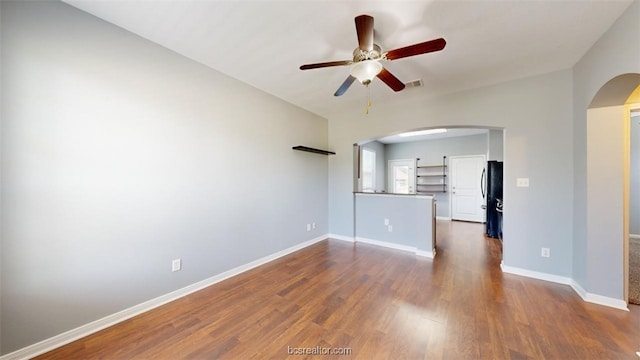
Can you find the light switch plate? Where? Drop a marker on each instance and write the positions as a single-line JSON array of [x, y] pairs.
[[522, 182]]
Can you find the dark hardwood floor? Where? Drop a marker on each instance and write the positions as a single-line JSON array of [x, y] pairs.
[[379, 303]]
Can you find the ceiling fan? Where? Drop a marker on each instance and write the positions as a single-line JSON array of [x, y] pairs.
[[367, 56]]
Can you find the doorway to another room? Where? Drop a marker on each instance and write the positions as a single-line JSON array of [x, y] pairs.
[[402, 177], [634, 209], [468, 174], [608, 204], [451, 166]]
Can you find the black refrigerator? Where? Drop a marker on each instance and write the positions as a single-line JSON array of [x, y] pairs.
[[492, 177]]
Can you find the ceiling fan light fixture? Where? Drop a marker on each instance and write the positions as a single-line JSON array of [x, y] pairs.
[[366, 70], [423, 132]]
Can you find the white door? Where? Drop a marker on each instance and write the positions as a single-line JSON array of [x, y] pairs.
[[466, 187], [402, 176]]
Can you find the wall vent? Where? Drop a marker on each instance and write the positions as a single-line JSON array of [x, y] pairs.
[[414, 84]]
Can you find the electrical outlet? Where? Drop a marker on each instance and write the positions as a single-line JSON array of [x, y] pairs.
[[308, 227], [176, 265], [313, 226], [545, 252], [390, 227], [386, 222]]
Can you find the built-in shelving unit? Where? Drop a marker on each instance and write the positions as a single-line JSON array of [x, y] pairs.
[[432, 178], [313, 150]]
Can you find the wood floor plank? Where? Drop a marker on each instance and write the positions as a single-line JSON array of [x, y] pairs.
[[379, 303]]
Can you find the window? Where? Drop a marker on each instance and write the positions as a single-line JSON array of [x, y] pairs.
[[368, 170]]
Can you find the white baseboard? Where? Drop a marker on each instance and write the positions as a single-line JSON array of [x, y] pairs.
[[386, 244], [341, 237], [634, 238], [598, 299], [407, 248], [588, 297], [536, 275], [446, 218], [110, 320], [425, 253]]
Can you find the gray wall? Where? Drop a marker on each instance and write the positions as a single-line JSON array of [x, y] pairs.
[[410, 218], [596, 265], [119, 156], [496, 145], [634, 195], [431, 152], [381, 163], [537, 146]]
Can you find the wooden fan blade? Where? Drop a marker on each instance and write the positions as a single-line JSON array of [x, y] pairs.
[[417, 49], [326, 64], [345, 85], [390, 80], [364, 29]]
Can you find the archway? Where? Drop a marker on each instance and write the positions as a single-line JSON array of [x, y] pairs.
[[430, 152], [608, 149]]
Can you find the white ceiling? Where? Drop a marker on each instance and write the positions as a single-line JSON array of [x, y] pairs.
[[263, 43]]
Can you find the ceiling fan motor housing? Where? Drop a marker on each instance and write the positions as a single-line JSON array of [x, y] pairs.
[[362, 55]]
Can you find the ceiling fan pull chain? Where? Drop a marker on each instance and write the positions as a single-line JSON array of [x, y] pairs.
[[366, 111]]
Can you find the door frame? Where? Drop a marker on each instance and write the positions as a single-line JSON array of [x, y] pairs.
[[450, 181]]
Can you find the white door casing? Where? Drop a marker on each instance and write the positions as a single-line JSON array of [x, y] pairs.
[[466, 189]]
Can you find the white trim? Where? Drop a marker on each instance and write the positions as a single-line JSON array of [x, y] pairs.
[[445, 218], [536, 275], [578, 289], [110, 320], [425, 253], [407, 248], [584, 295], [598, 299], [607, 301], [634, 237], [342, 238], [386, 244]]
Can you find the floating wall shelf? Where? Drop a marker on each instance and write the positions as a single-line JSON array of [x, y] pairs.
[[312, 150]]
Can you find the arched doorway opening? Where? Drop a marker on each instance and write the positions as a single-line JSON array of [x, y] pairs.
[[608, 180], [424, 159]]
